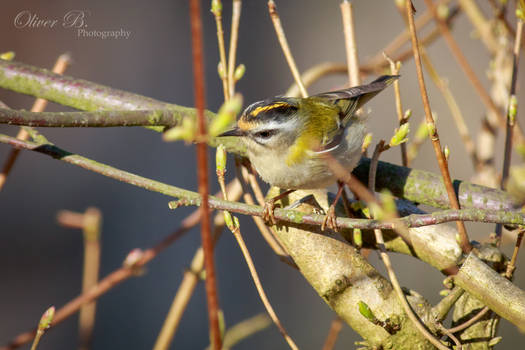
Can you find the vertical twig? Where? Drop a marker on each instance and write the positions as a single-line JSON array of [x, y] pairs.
[[467, 69], [233, 225], [234, 35], [512, 109], [351, 48], [388, 264], [216, 9], [202, 173], [90, 223], [39, 106], [394, 70], [335, 328], [464, 240], [272, 8]]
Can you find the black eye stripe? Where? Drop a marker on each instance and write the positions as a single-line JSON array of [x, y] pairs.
[[265, 134]]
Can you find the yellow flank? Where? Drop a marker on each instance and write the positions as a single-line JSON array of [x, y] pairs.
[[320, 129], [267, 108]]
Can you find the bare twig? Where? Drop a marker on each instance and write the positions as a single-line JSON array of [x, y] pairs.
[[202, 173], [512, 110], [272, 8], [39, 106], [388, 264], [351, 47], [465, 243], [233, 225], [451, 336], [470, 322], [394, 70], [90, 223], [469, 72], [331, 338], [244, 329], [216, 9], [234, 36]]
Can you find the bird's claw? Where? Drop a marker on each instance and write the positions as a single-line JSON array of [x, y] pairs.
[[330, 220], [268, 210]]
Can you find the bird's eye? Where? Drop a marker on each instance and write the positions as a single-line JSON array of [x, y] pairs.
[[264, 134]]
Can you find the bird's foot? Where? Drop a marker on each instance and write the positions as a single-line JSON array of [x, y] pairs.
[[330, 220], [268, 209]]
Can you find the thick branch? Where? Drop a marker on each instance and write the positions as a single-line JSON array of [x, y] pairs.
[[415, 185]]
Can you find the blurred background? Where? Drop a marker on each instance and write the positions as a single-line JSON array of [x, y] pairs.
[[41, 262]]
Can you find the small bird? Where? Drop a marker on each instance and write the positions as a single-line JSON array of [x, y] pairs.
[[286, 137]]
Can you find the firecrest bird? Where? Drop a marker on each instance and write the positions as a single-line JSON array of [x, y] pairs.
[[286, 137]]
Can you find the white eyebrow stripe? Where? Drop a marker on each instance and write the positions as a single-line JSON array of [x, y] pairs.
[[275, 125]]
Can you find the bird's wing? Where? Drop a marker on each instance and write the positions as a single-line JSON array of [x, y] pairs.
[[351, 99]]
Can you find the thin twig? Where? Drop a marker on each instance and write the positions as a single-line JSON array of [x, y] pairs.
[[202, 174], [235, 229], [388, 264], [394, 70], [272, 8], [255, 277], [512, 263], [433, 134], [451, 336], [113, 279], [512, 110], [39, 106], [186, 288], [469, 72], [216, 9], [234, 37], [354, 77], [470, 322], [395, 283], [245, 329], [92, 220], [333, 333]]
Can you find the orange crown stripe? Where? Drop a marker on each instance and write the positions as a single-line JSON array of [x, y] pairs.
[[267, 108]]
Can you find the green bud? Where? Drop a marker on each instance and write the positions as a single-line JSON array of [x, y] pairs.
[[400, 135], [431, 129], [513, 109], [520, 14], [220, 159], [228, 220], [446, 152], [400, 3], [389, 204], [358, 237], [8, 56], [494, 341], [222, 323], [407, 115], [422, 131], [239, 72], [365, 311], [226, 115], [444, 292], [185, 131], [221, 71], [366, 141], [216, 7], [443, 12], [46, 319]]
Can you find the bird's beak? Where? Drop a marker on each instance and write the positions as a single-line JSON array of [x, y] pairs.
[[233, 132]]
